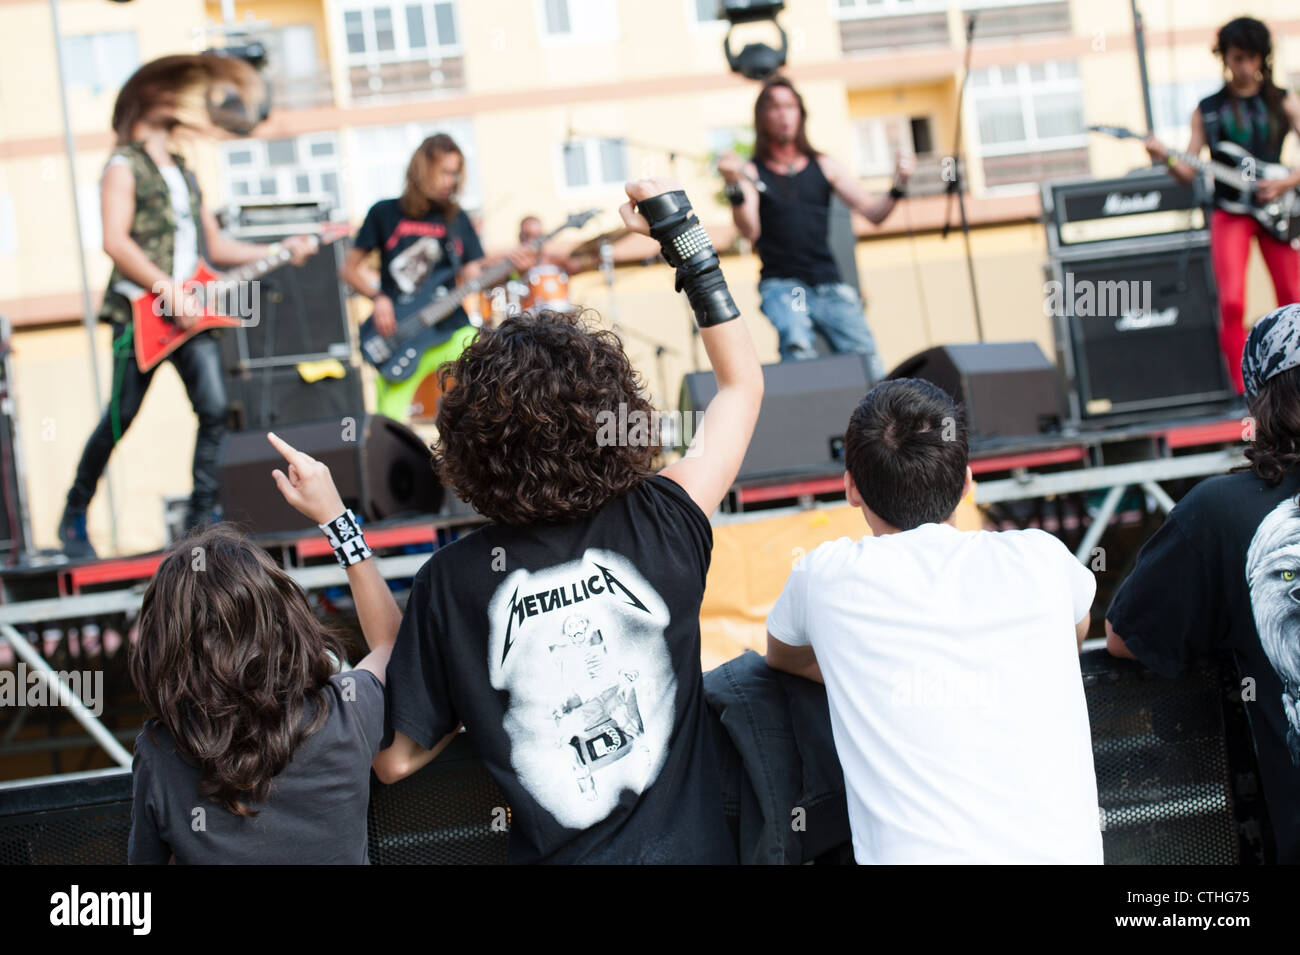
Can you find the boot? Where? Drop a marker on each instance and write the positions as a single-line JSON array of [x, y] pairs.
[[72, 535]]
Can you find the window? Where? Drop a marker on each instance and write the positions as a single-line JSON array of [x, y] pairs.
[[593, 162], [1172, 105], [380, 155], [706, 11], [737, 139], [582, 21], [306, 166], [557, 16], [100, 61], [878, 140], [1027, 107], [390, 32], [1029, 123], [849, 9]]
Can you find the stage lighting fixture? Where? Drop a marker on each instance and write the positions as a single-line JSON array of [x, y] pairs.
[[757, 60]]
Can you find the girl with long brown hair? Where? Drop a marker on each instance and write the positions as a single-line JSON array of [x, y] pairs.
[[257, 748]]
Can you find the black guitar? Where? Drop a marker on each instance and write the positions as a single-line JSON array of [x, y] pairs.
[[1241, 172], [427, 318]]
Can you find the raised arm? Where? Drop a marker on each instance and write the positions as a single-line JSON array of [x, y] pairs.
[[847, 187], [710, 465], [739, 174], [309, 487]]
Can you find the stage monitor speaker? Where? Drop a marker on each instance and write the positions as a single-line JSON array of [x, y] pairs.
[[1010, 389], [806, 408], [273, 397], [1149, 339], [381, 467]]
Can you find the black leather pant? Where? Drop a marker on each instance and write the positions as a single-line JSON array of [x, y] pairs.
[[199, 364]]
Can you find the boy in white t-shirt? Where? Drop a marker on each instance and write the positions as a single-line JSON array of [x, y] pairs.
[[950, 657]]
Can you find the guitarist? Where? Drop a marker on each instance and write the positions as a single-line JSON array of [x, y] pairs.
[[421, 232], [155, 230], [1256, 114]]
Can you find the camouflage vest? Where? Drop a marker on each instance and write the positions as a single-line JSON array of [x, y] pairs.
[[153, 227]]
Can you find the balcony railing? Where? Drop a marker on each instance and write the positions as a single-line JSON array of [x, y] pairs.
[[873, 34], [1022, 19], [406, 78], [1035, 167], [300, 92]]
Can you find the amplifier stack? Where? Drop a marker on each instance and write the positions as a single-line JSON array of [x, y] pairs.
[[1132, 297], [303, 319]]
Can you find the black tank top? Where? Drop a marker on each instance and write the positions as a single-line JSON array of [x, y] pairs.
[[793, 218], [1246, 121]]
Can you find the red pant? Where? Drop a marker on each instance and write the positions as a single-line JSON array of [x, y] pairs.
[[1230, 248]]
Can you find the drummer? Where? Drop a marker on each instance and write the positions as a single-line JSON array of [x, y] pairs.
[[530, 229]]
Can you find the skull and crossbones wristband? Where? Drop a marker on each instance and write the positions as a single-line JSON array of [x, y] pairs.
[[344, 535]]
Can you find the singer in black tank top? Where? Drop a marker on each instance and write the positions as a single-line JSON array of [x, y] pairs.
[[795, 215], [781, 202]]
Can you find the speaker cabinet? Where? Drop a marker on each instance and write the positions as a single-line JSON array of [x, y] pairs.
[[272, 397], [1149, 339], [381, 467], [806, 408], [1009, 389]]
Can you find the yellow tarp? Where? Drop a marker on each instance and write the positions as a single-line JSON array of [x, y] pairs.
[[751, 562]]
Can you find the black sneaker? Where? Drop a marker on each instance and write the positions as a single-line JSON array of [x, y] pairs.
[[72, 535]]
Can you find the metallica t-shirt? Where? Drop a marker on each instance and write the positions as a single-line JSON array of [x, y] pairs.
[[1223, 573], [411, 251], [571, 652]]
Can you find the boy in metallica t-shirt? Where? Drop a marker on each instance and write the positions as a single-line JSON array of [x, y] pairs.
[[1223, 573], [565, 634]]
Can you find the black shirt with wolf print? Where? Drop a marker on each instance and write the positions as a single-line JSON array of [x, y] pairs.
[[1223, 574]]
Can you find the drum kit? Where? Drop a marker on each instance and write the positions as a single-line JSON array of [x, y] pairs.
[[543, 287]]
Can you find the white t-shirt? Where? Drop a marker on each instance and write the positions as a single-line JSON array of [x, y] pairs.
[[956, 701]]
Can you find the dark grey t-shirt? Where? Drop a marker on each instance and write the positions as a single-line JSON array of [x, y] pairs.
[[316, 813]]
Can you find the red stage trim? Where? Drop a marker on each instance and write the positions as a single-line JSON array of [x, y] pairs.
[[1029, 459]]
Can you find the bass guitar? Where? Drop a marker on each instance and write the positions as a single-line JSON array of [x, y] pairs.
[[429, 317]]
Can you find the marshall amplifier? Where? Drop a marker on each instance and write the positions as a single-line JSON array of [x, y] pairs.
[[1137, 332], [1084, 215]]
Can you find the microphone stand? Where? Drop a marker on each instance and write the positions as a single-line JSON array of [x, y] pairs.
[[956, 187]]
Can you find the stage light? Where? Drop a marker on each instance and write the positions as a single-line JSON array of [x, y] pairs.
[[757, 60]]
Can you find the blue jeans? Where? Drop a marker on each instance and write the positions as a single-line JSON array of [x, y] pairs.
[[834, 308]]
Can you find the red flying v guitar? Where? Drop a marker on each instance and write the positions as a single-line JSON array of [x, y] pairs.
[[157, 335]]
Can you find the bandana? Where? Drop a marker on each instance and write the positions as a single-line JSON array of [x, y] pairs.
[[1272, 348]]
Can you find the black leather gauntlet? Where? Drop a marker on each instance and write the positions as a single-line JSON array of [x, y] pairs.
[[688, 249]]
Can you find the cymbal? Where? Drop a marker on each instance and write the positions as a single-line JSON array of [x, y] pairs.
[[594, 244]]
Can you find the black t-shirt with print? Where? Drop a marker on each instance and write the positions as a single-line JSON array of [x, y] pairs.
[[571, 652], [410, 250], [1223, 573], [315, 814]]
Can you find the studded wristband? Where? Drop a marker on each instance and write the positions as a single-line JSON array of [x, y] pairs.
[[344, 535], [688, 249]]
